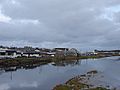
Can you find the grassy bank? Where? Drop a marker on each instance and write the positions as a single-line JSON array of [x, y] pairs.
[[76, 58], [24, 61]]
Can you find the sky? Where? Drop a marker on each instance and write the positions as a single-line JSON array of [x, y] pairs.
[[81, 24]]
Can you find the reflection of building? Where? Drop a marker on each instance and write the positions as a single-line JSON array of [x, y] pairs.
[[66, 63], [1, 71]]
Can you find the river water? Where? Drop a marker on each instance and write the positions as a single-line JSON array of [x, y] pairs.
[[45, 77]]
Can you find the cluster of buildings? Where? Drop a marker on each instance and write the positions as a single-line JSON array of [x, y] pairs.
[[102, 53], [14, 52], [107, 52]]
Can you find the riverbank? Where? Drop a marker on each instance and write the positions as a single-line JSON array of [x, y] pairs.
[[83, 82], [23, 62], [45, 77], [34, 61]]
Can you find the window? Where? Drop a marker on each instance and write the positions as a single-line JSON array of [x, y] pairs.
[[10, 53], [2, 53]]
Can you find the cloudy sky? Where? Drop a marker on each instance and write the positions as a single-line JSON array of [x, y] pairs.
[[83, 24]]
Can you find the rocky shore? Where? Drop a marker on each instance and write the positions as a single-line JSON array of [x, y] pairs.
[[88, 81]]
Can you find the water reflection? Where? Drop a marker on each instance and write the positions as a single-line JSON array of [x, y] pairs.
[[33, 66], [45, 77], [66, 63]]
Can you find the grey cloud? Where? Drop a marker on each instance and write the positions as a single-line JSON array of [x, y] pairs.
[[75, 23]]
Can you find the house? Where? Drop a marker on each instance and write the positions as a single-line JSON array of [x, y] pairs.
[[107, 52], [72, 52], [60, 52], [31, 54], [7, 53], [19, 54], [52, 54], [38, 54], [60, 49]]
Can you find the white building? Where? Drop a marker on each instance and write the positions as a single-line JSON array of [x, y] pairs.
[[7, 53], [31, 54]]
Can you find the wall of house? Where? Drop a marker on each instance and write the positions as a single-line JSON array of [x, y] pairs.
[[7, 55], [34, 55]]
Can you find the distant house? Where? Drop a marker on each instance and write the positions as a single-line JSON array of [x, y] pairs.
[[7, 53], [61, 49], [52, 54], [38, 54], [107, 52], [47, 54], [72, 52], [31, 54], [88, 54], [44, 50], [60, 52], [18, 54]]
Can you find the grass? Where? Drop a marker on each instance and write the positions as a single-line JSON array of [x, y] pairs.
[[75, 84], [62, 87], [89, 57], [79, 86], [72, 84], [22, 61]]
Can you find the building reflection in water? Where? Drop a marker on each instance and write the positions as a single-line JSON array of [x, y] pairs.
[[11, 75], [67, 62], [40, 67]]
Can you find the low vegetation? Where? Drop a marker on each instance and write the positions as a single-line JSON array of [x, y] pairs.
[[29, 61], [78, 83]]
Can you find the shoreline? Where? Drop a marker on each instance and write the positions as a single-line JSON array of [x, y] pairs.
[[23, 61], [86, 81]]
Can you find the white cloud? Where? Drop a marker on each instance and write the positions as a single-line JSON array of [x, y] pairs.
[[4, 18], [7, 19], [25, 21], [15, 2], [108, 12]]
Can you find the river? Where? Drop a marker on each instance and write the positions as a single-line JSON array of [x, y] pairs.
[[45, 77]]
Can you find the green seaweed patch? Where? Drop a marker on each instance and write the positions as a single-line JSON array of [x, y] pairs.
[[62, 87], [75, 84]]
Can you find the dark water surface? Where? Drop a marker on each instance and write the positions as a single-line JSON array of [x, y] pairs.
[[47, 76]]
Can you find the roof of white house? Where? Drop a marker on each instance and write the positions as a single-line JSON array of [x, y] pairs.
[[3, 49]]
